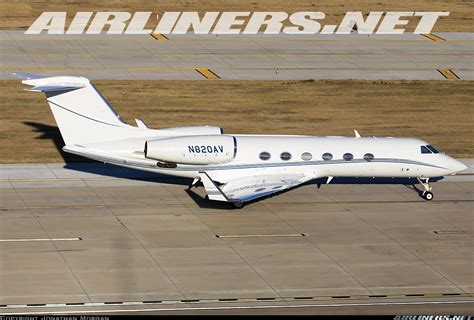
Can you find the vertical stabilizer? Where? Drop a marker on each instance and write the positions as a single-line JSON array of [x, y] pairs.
[[81, 112]]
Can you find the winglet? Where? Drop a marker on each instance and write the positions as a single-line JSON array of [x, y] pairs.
[[357, 135], [141, 124]]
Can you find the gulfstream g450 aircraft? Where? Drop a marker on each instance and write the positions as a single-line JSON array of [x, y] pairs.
[[232, 168]]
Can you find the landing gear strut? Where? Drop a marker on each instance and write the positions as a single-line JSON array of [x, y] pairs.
[[426, 194]]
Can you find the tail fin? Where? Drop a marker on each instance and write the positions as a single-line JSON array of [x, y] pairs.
[[81, 112]]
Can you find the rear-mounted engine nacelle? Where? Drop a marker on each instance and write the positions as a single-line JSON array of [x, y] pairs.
[[195, 150]]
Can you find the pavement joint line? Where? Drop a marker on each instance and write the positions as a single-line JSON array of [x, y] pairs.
[[159, 36], [260, 235], [41, 239], [449, 74], [434, 37], [207, 73], [454, 231], [251, 307], [289, 203], [219, 68], [221, 300], [289, 53]]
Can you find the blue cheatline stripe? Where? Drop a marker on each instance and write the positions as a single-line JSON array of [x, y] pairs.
[[299, 164], [246, 166]]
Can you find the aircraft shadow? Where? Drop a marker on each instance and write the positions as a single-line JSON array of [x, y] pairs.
[[77, 163], [205, 203], [52, 133]]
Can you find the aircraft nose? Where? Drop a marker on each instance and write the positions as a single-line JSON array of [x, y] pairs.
[[457, 166]]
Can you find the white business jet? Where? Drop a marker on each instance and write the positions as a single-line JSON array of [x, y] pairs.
[[233, 168]]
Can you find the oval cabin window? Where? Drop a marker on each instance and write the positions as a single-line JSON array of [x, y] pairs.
[[285, 156], [348, 156], [264, 156], [327, 156], [368, 157], [306, 156]]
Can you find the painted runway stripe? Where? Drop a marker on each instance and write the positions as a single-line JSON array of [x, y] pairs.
[[41, 239], [260, 235], [240, 300], [159, 36], [434, 37], [335, 305], [454, 231], [207, 73], [448, 74]]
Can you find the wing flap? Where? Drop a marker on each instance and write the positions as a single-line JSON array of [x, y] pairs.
[[212, 190]]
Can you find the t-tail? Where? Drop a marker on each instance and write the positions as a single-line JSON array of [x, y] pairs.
[[81, 112]]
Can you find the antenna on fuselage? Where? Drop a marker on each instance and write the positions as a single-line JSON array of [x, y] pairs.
[[356, 133]]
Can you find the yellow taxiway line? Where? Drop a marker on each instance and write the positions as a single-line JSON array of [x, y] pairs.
[[449, 74], [207, 73]]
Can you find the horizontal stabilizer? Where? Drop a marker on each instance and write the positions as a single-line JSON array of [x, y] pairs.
[[26, 76]]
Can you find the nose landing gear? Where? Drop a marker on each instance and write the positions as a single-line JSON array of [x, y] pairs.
[[426, 194]]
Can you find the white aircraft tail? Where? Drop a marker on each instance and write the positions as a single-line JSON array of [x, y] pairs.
[[81, 112]]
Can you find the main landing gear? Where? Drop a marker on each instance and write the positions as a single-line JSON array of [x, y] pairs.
[[426, 193], [239, 204]]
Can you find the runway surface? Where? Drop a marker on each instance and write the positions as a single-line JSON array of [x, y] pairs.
[[266, 57], [92, 237]]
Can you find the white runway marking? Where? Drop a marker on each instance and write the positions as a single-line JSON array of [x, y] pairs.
[[260, 235], [251, 307], [32, 240]]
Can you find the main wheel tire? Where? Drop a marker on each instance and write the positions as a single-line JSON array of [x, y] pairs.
[[238, 204], [427, 195]]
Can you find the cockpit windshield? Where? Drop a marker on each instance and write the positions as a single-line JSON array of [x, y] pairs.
[[424, 149], [428, 149], [433, 149]]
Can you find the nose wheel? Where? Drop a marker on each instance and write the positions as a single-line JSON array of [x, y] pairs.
[[426, 194]]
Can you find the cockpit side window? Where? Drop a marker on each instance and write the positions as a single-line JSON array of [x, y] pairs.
[[432, 149], [424, 149]]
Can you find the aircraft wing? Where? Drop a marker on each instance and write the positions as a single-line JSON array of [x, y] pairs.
[[251, 187]]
